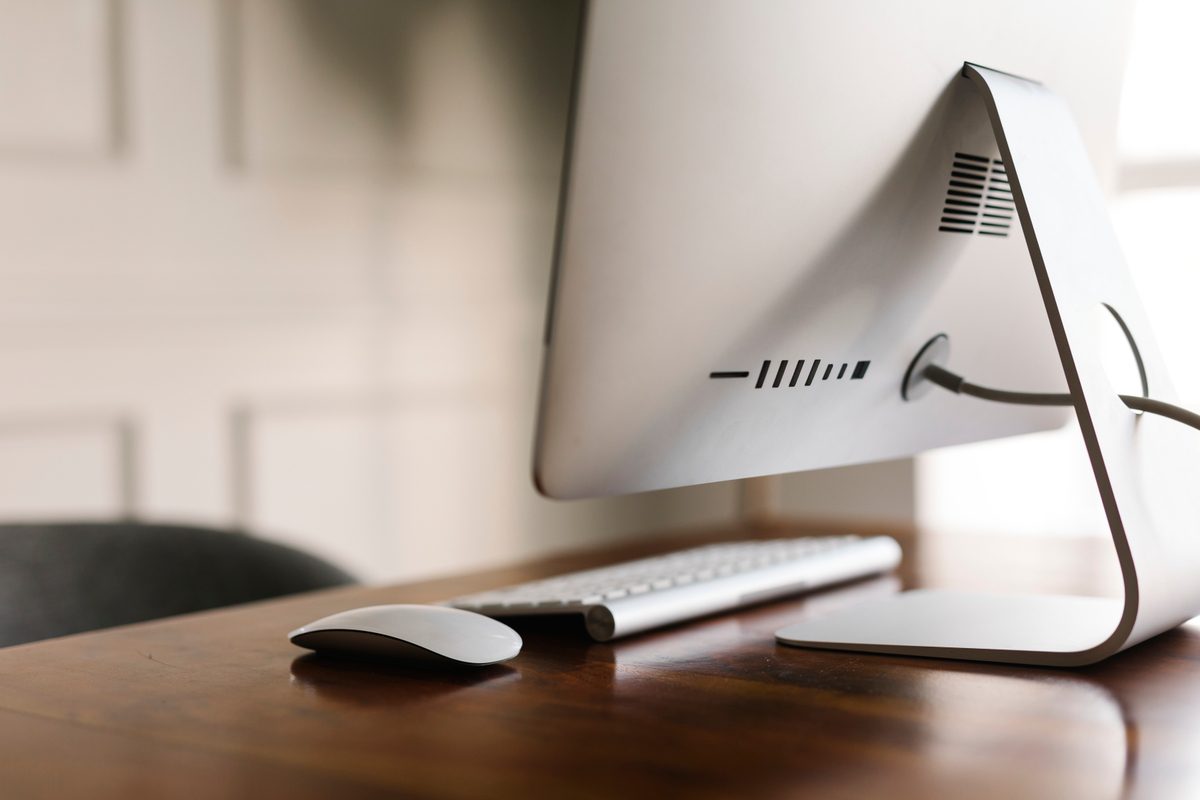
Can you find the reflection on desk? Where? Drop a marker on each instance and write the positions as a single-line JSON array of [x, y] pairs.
[[219, 704]]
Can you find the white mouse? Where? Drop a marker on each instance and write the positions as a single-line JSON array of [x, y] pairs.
[[426, 634]]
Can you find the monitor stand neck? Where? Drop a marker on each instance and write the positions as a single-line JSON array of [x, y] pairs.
[[1145, 468], [760, 501]]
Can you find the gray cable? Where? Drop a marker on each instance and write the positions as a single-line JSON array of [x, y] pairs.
[[946, 379]]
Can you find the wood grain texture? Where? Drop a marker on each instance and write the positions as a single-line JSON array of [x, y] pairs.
[[221, 705]]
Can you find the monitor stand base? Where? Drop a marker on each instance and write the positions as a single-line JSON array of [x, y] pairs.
[[1047, 630], [1145, 469]]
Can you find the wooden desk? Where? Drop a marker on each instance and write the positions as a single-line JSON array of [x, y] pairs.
[[220, 704]]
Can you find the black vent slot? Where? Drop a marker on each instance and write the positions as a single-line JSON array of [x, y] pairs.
[[978, 198]]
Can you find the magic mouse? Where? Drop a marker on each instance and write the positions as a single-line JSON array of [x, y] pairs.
[[418, 634]]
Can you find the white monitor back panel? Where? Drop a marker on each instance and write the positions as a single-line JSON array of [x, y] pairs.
[[743, 190]]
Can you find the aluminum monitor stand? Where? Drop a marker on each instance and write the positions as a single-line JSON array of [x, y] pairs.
[[1147, 469]]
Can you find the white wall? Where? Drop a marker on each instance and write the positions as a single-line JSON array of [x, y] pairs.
[[282, 263]]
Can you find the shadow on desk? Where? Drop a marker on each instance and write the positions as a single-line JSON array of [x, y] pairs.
[[371, 681]]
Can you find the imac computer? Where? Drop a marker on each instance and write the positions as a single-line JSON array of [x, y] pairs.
[[785, 225]]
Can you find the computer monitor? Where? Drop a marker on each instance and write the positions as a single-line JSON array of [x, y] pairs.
[[762, 222], [771, 209]]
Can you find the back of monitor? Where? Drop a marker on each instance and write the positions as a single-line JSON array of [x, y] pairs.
[[752, 243], [1146, 467]]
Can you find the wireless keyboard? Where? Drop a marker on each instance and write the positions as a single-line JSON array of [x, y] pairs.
[[638, 595]]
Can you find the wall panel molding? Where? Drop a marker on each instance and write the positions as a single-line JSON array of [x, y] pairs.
[[62, 79]]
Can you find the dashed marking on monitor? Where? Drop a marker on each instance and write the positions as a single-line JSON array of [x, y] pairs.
[[781, 370]]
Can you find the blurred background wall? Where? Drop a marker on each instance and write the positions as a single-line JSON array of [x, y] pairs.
[[282, 264]]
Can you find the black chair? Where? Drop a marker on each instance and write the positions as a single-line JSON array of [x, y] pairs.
[[65, 578]]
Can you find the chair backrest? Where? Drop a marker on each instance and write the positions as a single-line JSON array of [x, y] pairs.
[[57, 579]]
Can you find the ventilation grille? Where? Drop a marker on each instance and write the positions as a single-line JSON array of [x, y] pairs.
[[978, 199]]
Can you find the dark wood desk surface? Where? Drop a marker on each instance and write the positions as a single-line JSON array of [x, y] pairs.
[[220, 704]]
